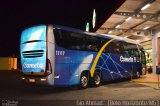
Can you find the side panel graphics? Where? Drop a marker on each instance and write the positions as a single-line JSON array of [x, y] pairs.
[[70, 63]]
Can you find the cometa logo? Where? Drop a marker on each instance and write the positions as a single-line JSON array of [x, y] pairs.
[[37, 65], [125, 59]]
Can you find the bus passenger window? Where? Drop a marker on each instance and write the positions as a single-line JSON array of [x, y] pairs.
[[76, 47], [136, 53], [126, 52], [89, 47], [116, 47], [108, 49]]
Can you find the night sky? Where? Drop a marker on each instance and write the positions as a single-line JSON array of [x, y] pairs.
[[16, 15]]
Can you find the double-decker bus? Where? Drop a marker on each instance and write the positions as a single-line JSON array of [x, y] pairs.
[[59, 56]]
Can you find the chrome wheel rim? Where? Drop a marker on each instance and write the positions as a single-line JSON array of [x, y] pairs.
[[84, 81], [138, 75], [97, 79]]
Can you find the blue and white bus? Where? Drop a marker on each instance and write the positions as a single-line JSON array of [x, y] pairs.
[[59, 56]]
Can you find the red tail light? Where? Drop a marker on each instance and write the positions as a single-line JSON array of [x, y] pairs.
[[48, 67]]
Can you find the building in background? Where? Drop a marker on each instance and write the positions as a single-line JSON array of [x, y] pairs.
[[8, 63]]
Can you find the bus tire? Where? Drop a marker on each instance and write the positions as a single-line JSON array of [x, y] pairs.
[[96, 79], [138, 74], [84, 80]]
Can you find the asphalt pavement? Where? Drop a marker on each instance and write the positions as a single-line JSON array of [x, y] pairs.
[[13, 88]]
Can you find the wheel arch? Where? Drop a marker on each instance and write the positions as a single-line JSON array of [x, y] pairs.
[[99, 71], [89, 74], [86, 72]]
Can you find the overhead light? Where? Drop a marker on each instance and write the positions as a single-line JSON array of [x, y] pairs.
[[128, 18], [110, 32], [138, 40], [149, 50], [146, 27], [145, 7], [117, 26]]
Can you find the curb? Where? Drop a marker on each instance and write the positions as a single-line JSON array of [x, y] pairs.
[[148, 82]]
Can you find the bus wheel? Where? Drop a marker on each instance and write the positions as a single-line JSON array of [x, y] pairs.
[[96, 79], [84, 81], [143, 71], [138, 75]]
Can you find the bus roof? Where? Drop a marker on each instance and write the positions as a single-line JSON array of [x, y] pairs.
[[95, 34], [123, 39]]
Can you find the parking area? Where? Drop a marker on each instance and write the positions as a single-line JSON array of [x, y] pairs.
[[13, 88]]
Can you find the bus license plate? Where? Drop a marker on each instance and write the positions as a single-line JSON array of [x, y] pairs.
[[32, 80]]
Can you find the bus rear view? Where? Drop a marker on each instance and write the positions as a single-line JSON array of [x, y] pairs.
[[34, 60], [61, 56]]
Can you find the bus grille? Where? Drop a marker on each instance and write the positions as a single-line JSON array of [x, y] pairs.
[[33, 53]]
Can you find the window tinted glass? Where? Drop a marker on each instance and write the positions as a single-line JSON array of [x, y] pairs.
[[78, 41], [117, 47], [143, 57], [84, 42], [131, 49]]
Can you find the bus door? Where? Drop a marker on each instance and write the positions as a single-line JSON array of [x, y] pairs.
[[143, 62]]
